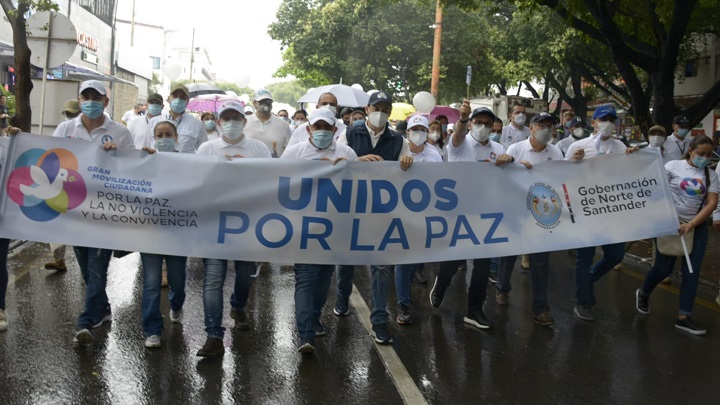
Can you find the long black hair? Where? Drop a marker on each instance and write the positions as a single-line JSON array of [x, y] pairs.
[[698, 141]]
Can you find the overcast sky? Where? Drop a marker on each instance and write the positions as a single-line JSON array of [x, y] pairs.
[[234, 32]]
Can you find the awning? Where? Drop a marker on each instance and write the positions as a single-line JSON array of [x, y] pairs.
[[80, 73]]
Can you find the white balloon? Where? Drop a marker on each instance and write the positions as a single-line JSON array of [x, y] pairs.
[[243, 81], [371, 92], [357, 86], [172, 70], [424, 102]]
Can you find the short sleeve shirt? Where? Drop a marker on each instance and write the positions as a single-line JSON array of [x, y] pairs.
[[609, 145], [247, 148], [524, 151], [428, 154], [307, 151], [675, 148], [473, 151], [511, 135], [191, 131], [274, 133], [109, 131], [689, 186]]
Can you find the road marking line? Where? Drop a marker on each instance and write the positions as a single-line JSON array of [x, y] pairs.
[[669, 288], [405, 385]]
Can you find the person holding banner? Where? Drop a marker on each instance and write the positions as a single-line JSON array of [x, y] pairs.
[[166, 138], [477, 148], [695, 195], [232, 144], [373, 142], [312, 281], [534, 150]]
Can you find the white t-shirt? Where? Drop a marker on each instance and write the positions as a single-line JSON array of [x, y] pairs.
[[300, 133], [108, 131], [428, 154], [675, 149], [213, 135], [688, 186], [473, 151], [274, 133], [609, 145], [247, 148], [524, 151], [565, 143], [441, 151], [191, 131], [374, 139], [141, 132], [511, 135], [307, 151], [130, 116]]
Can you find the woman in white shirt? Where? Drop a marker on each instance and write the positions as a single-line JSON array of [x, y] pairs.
[[208, 120]]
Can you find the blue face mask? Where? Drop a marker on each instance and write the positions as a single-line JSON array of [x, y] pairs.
[[209, 125], [92, 109], [444, 128], [165, 144], [154, 109], [495, 137], [358, 123], [177, 105], [700, 161], [322, 138], [682, 132]]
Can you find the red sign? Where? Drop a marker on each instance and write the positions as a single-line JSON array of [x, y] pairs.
[[86, 41]]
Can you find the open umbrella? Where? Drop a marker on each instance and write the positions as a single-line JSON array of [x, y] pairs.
[[452, 114], [401, 111], [347, 96], [197, 89], [209, 102]]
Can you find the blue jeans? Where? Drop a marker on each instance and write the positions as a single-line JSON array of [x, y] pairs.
[[477, 290], [494, 264], [152, 278], [312, 282], [586, 274], [94, 267], [663, 266], [4, 245], [404, 276], [380, 289], [215, 272], [539, 275]]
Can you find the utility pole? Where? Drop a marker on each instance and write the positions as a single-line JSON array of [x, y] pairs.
[[132, 26], [192, 55], [436, 51]]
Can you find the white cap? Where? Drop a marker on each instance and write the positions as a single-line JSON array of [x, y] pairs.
[[95, 85], [232, 105], [262, 94], [418, 120], [249, 109], [322, 114]]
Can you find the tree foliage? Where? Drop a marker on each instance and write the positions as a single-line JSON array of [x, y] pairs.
[[287, 92]]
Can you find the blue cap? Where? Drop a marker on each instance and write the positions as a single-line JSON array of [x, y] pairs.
[[604, 111], [482, 110], [577, 121]]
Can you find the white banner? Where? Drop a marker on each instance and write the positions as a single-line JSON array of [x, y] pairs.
[[71, 191]]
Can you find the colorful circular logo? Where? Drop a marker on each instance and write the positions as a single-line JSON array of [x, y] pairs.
[[692, 186], [544, 205], [46, 184]]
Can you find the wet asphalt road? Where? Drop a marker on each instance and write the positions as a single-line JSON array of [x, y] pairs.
[[621, 358]]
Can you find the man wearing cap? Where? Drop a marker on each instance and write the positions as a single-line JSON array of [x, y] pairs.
[[587, 273], [576, 128], [313, 280], [373, 142], [94, 126], [656, 138], [191, 131], [248, 110], [677, 144], [140, 128], [476, 148], [532, 151], [71, 109], [515, 131], [232, 144], [265, 127], [327, 101]]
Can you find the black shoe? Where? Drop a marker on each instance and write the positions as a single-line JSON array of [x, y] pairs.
[[642, 302], [420, 277], [307, 346], [478, 320], [382, 336], [342, 306], [584, 312], [241, 319], [492, 278], [319, 328], [213, 347], [403, 316], [435, 297], [107, 317], [689, 326]]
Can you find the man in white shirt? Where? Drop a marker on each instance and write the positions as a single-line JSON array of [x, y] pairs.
[[677, 144], [140, 128], [191, 131], [515, 131], [576, 129], [535, 150], [326, 100], [477, 147], [274, 132], [313, 280], [132, 115], [233, 144], [601, 141]]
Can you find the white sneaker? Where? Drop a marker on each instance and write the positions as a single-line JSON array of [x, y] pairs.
[[717, 299], [176, 316], [83, 337], [152, 341], [3, 320]]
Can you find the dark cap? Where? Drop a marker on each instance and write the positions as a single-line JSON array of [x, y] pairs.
[[542, 117], [576, 121], [380, 97], [346, 110], [155, 97], [482, 110], [681, 120]]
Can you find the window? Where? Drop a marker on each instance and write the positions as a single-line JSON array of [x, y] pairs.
[[691, 68], [155, 62]]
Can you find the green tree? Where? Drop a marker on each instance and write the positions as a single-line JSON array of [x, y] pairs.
[[287, 92], [15, 12]]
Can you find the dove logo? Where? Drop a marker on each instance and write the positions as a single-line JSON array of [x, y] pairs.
[[692, 187], [46, 184], [544, 205]]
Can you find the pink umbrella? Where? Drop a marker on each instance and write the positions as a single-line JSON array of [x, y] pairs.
[[210, 102], [452, 114]]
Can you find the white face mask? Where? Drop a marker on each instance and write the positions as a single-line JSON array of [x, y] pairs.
[[520, 119], [434, 136], [330, 107], [578, 133], [604, 128], [480, 133], [232, 130], [543, 135], [378, 119], [417, 137], [656, 140]]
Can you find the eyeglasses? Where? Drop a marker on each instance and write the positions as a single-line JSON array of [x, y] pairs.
[[545, 126]]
